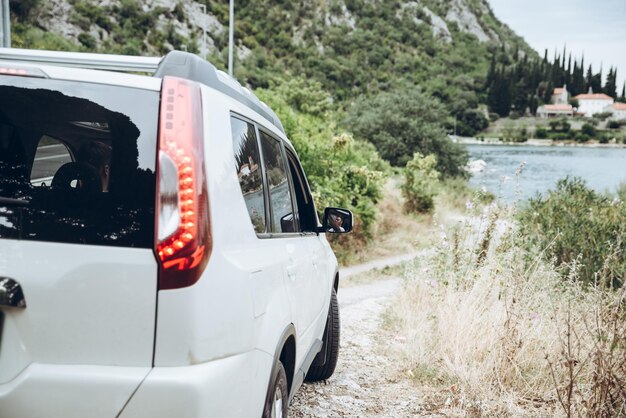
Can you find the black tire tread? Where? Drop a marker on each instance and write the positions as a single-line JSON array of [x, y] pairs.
[[325, 371], [279, 379]]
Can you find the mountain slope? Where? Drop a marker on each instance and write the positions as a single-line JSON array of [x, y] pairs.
[[351, 46]]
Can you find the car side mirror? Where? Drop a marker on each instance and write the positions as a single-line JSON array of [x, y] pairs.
[[337, 221], [286, 223]]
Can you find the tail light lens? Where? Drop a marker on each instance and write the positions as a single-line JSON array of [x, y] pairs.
[[183, 226]]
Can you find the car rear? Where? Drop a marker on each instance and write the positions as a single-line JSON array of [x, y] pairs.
[[79, 240]]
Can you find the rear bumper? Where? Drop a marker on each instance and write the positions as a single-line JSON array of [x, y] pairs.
[[48, 390], [234, 386]]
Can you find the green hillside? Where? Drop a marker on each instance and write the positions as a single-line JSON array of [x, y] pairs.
[[351, 47], [343, 75]]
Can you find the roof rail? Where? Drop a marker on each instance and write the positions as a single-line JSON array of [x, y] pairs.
[[190, 66], [175, 63], [93, 61]]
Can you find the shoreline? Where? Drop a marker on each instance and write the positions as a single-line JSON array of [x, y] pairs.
[[533, 142]]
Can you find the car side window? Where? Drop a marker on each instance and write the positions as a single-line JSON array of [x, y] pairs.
[[248, 167], [281, 207], [304, 200], [51, 154]]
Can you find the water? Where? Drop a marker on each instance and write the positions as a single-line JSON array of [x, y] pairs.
[[602, 168]]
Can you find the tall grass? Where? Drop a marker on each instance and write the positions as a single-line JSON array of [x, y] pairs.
[[489, 328]]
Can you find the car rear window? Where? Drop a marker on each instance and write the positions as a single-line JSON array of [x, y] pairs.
[[77, 162]]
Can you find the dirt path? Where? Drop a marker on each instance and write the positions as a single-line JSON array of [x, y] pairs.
[[366, 383]]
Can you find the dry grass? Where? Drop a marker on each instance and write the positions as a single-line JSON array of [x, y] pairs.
[[486, 329]]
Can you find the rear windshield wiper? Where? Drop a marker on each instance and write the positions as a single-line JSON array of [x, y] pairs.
[[9, 201]]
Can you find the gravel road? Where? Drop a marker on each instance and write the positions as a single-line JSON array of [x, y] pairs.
[[366, 383]]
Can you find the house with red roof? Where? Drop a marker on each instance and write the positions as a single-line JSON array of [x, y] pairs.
[[554, 110], [617, 110], [591, 103], [560, 95]]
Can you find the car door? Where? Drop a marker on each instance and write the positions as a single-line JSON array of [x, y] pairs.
[[284, 226], [78, 274], [317, 292]]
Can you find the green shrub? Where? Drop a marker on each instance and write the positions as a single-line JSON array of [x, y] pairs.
[[581, 137], [588, 129], [420, 185], [23, 8], [87, 40], [602, 115], [580, 230], [560, 136], [471, 122], [541, 132], [405, 121], [341, 171], [24, 36]]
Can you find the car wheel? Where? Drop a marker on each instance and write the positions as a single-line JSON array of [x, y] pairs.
[[324, 364], [277, 400]]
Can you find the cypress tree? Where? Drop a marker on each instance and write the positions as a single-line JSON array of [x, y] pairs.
[[588, 79], [610, 86]]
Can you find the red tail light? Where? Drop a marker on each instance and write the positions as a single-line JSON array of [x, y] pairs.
[[183, 226]]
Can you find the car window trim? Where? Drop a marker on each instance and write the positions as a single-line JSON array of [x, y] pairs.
[[266, 204], [281, 143], [285, 147], [304, 181]]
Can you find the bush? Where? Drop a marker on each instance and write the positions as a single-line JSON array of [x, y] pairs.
[[541, 132], [420, 183], [560, 136], [588, 129], [341, 171], [87, 40], [613, 124], [581, 137], [602, 115], [23, 8], [580, 230], [403, 122], [471, 122]]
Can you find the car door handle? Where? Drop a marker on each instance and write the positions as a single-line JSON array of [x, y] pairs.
[[11, 294]]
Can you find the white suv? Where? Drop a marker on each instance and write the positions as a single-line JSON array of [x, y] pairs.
[[160, 251]]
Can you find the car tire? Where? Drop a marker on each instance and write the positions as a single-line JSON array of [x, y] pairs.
[[277, 400], [324, 364]]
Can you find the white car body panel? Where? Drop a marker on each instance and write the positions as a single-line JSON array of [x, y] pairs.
[[86, 305], [96, 331], [69, 391]]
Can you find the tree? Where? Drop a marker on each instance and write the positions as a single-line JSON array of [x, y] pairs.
[[588, 79], [404, 121], [610, 87], [23, 8]]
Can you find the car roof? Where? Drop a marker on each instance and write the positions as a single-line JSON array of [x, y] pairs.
[[88, 66]]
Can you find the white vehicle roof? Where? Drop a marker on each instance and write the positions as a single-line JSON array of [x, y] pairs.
[[85, 66]]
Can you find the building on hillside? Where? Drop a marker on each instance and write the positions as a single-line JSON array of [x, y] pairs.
[[554, 110], [617, 110], [591, 103], [560, 95]]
